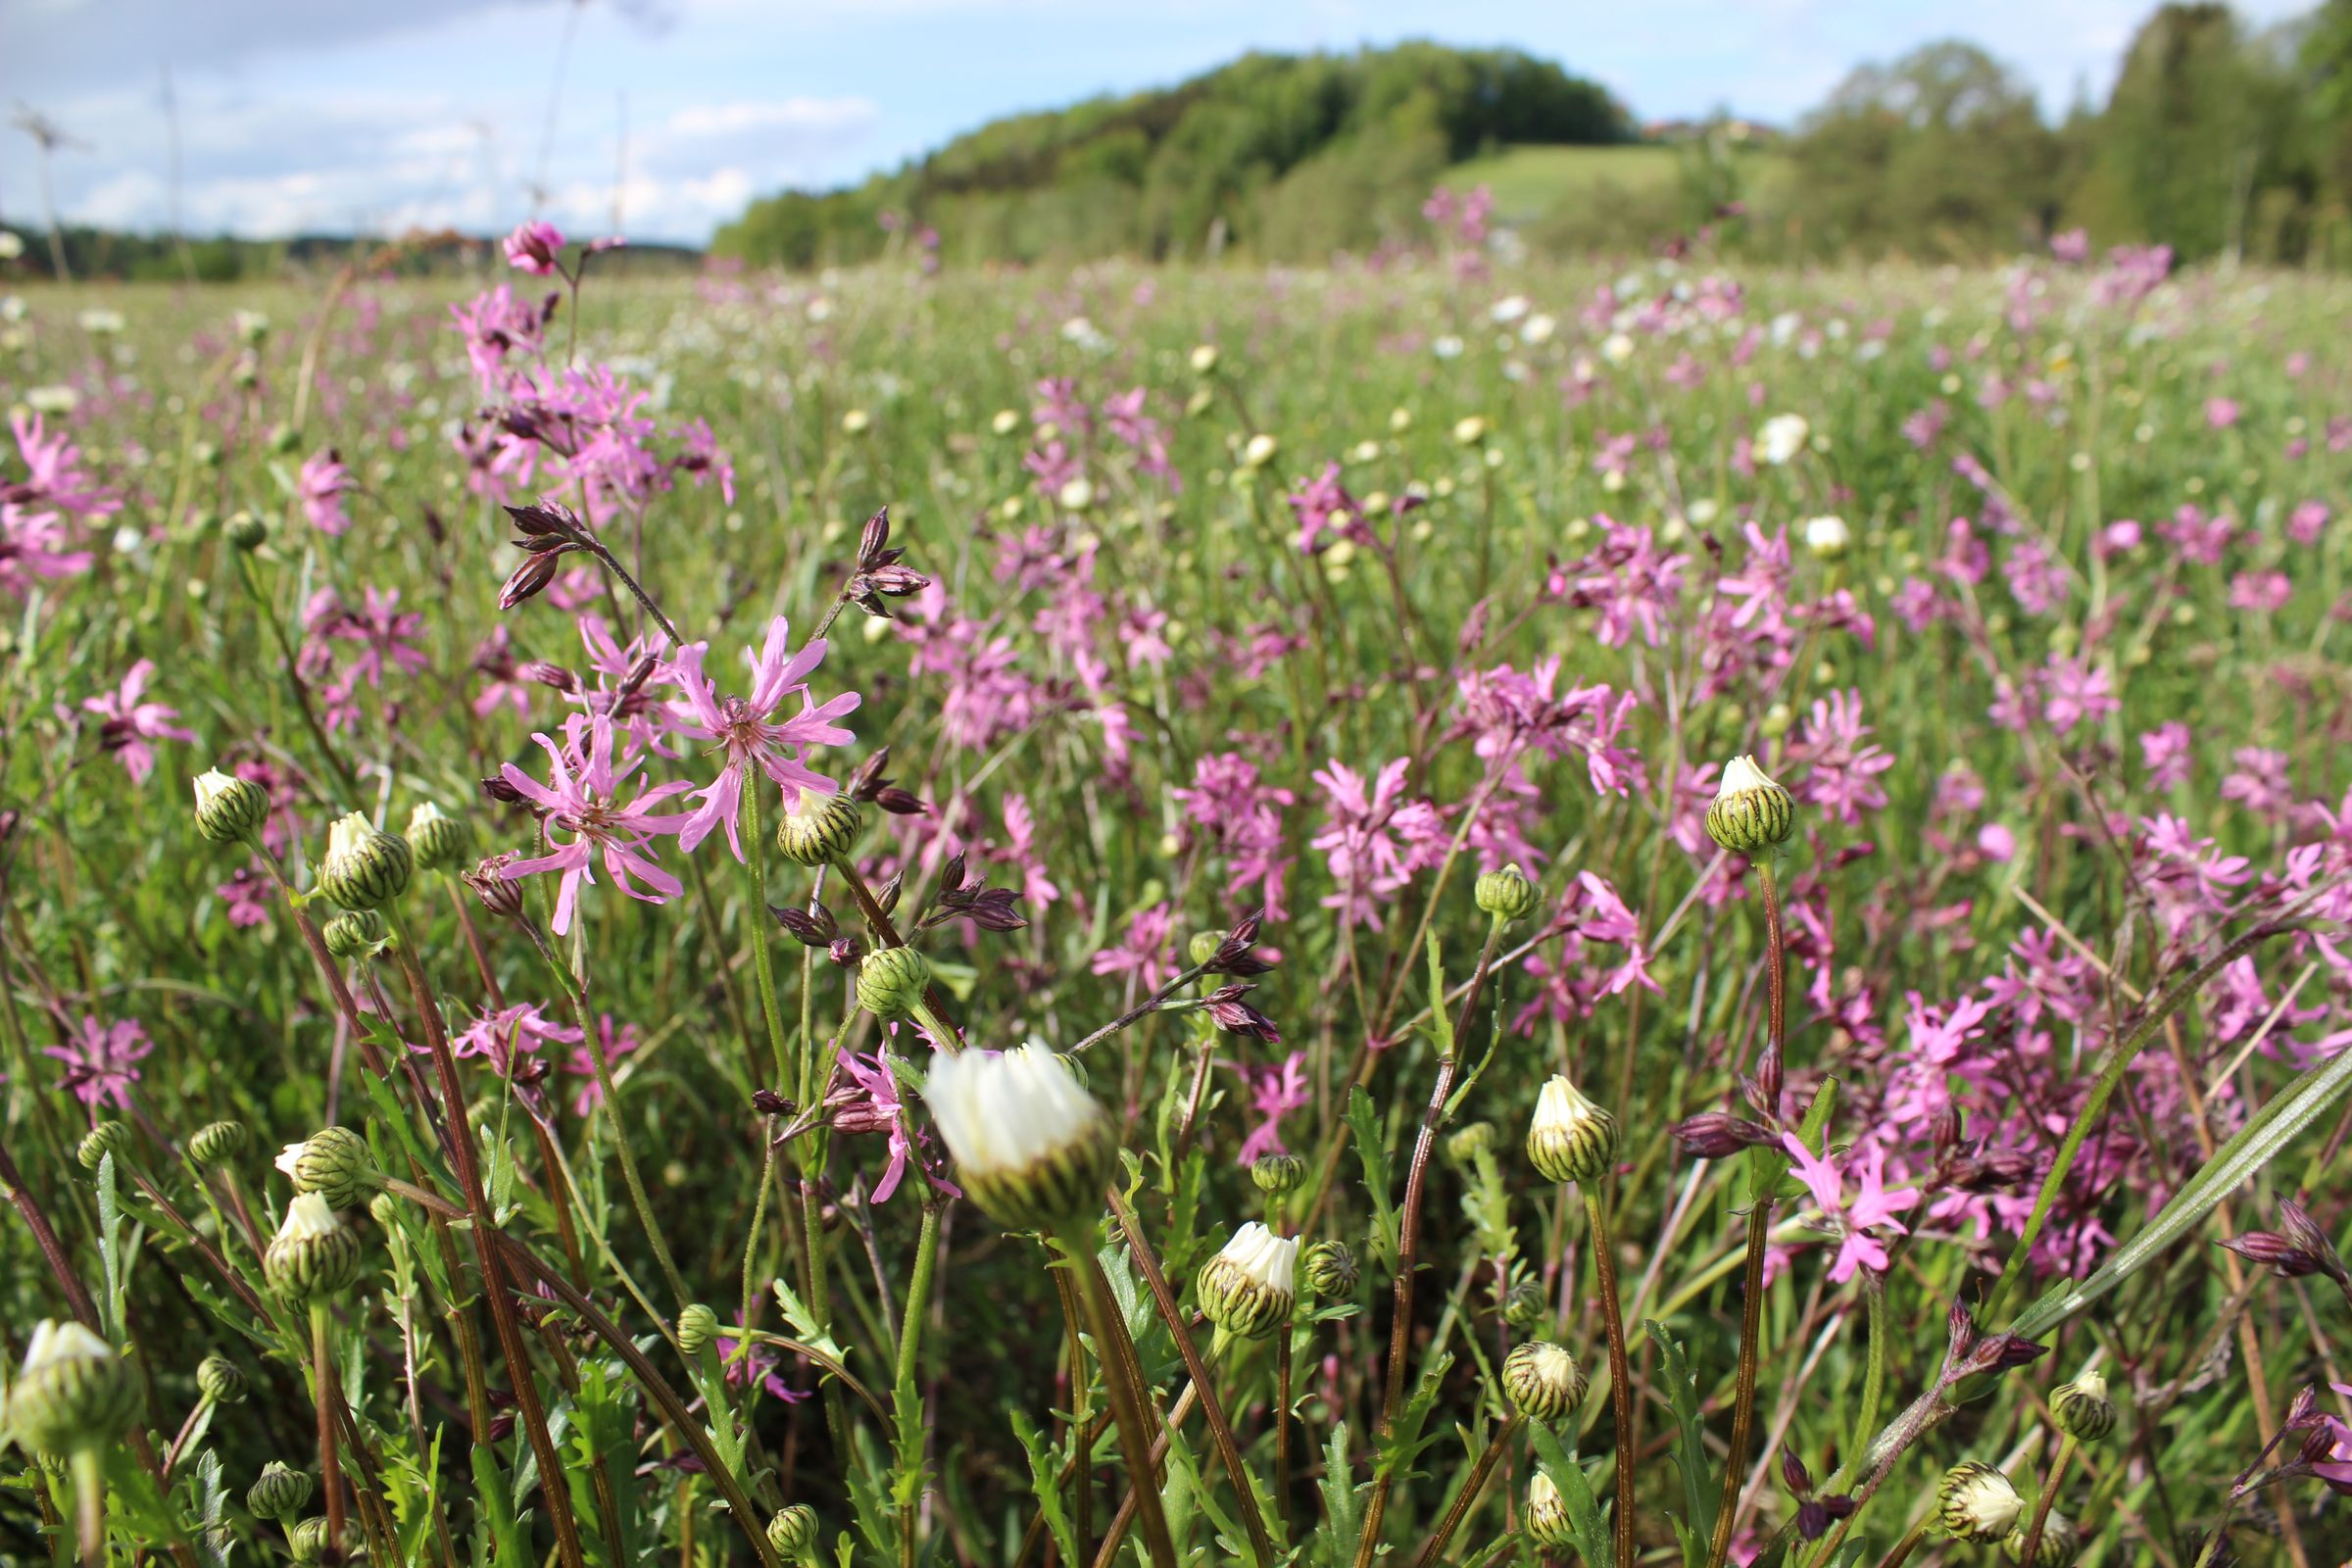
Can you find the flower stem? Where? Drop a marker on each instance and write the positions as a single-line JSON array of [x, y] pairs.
[[1472, 1485], [1126, 1393], [89, 1506], [2050, 1495], [323, 1387], [1621, 1378], [755, 921], [910, 1345]]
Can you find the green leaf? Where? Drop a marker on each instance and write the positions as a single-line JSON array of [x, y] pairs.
[[1364, 1122], [1440, 1022], [1405, 1439], [1690, 1444], [1343, 1500], [110, 1250], [1585, 1516], [1045, 1482]]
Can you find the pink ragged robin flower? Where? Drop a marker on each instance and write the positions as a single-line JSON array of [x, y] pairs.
[[54, 477], [1873, 1205], [102, 1061], [130, 721], [582, 801], [321, 488], [749, 732], [535, 248]]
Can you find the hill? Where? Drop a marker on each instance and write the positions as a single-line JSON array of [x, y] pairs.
[[1286, 156]]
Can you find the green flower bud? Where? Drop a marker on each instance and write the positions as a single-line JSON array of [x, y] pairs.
[[278, 1493], [333, 1162], [1205, 358], [1469, 1141], [1976, 1502], [2060, 1542], [1752, 813], [218, 1380], [355, 933], [1329, 1268], [384, 1210], [1203, 947], [1031, 1146], [245, 531], [1548, 1523], [2083, 1409], [891, 982], [230, 809], [313, 1255], [107, 1138], [73, 1393], [283, 439], [365, 868], [1277, 1174], [438, 841], [819, 828], [698, 1326], [307, 1541], [1542, 1380], [792, 1532], [1507, 895], [1248, 1289], [1524, 1306], [1571, 1140], [216, 1143]]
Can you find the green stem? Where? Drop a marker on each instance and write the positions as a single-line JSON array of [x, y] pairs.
[[1621, 1378], [1126, 1394], [756, 923], [2050, 1495], [89, 1506], [911, 1344], [1472, 1485], [323, 1387]]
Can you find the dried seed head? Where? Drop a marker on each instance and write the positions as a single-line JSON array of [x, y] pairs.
[[73, 1393], [1571, 1138], [2083, 1409], [1976, 1502], [1752, 813], [1248, 1289], [230, 809], [1544, 1380]]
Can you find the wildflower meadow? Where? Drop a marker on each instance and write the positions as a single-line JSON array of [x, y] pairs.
[[1452, 910]]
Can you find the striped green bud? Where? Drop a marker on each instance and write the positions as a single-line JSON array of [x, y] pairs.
[[216, 1143], [698, 1326], [891, 982], [307, 1542], [1542, 1380], [1031, 1146], [438, 841], [1506, 893], [2083, 1409], [73, 1393], [2059, 1546], [1329, 1268], [365, 868], [278, 1493], [230, 809], [219, 1380], [355, 933], [1976, 1502], [107, 1138], [1750, 812], [1277, 1174], [792, 1532], [245, 531], [819, 828], [1524, 1306], [1248, 1289], [1548, 1523], [1571, 1138], [333, 1162], [313, 1255]]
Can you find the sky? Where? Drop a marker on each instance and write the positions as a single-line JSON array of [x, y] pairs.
[[284, 117]]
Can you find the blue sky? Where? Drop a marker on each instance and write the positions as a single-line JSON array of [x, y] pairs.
[[382, 114]]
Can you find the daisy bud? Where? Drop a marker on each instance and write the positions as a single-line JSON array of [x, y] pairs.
[[2060, 1542], [217, 1142], [1571, 1140], [355, 933], [1205, 358], [891, 982], [2083, 1409], [698, 1326], [1469, 1141], [307, 1543], [1507, 895], [792, 1532], [107, 1138], [1329, 1268], [313, 1255], [228, 809], [245, 531], [1827, 538], [1548, 1523], [1524, 1306], [1277, 1174], [1248, 1289], [365, 867], [819, 828], [1542, 1380], [1031, 1146], [218, 1380], [1260, 451], [1976, 1502], [278, 1493], [335, 1164], [437, 840], [1469, 431], [1750, 812], [73, 1393]]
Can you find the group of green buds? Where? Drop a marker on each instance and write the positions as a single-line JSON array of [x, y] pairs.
[[1977, 1503]]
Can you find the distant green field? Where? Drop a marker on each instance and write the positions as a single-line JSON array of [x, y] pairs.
[[1530, 181]]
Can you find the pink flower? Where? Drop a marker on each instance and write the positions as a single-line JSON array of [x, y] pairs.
[[1843, 766], [2221, 412], [500, 1038], [31, 550], [54, 476], [869, 1104], [100, 1064], [321, 488], [2167, 752], [749, 732], [130, 724], [581, 800], [1274, 1091], [1144, 951], [1873, 1205], [614, 1042], [534, 248]]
